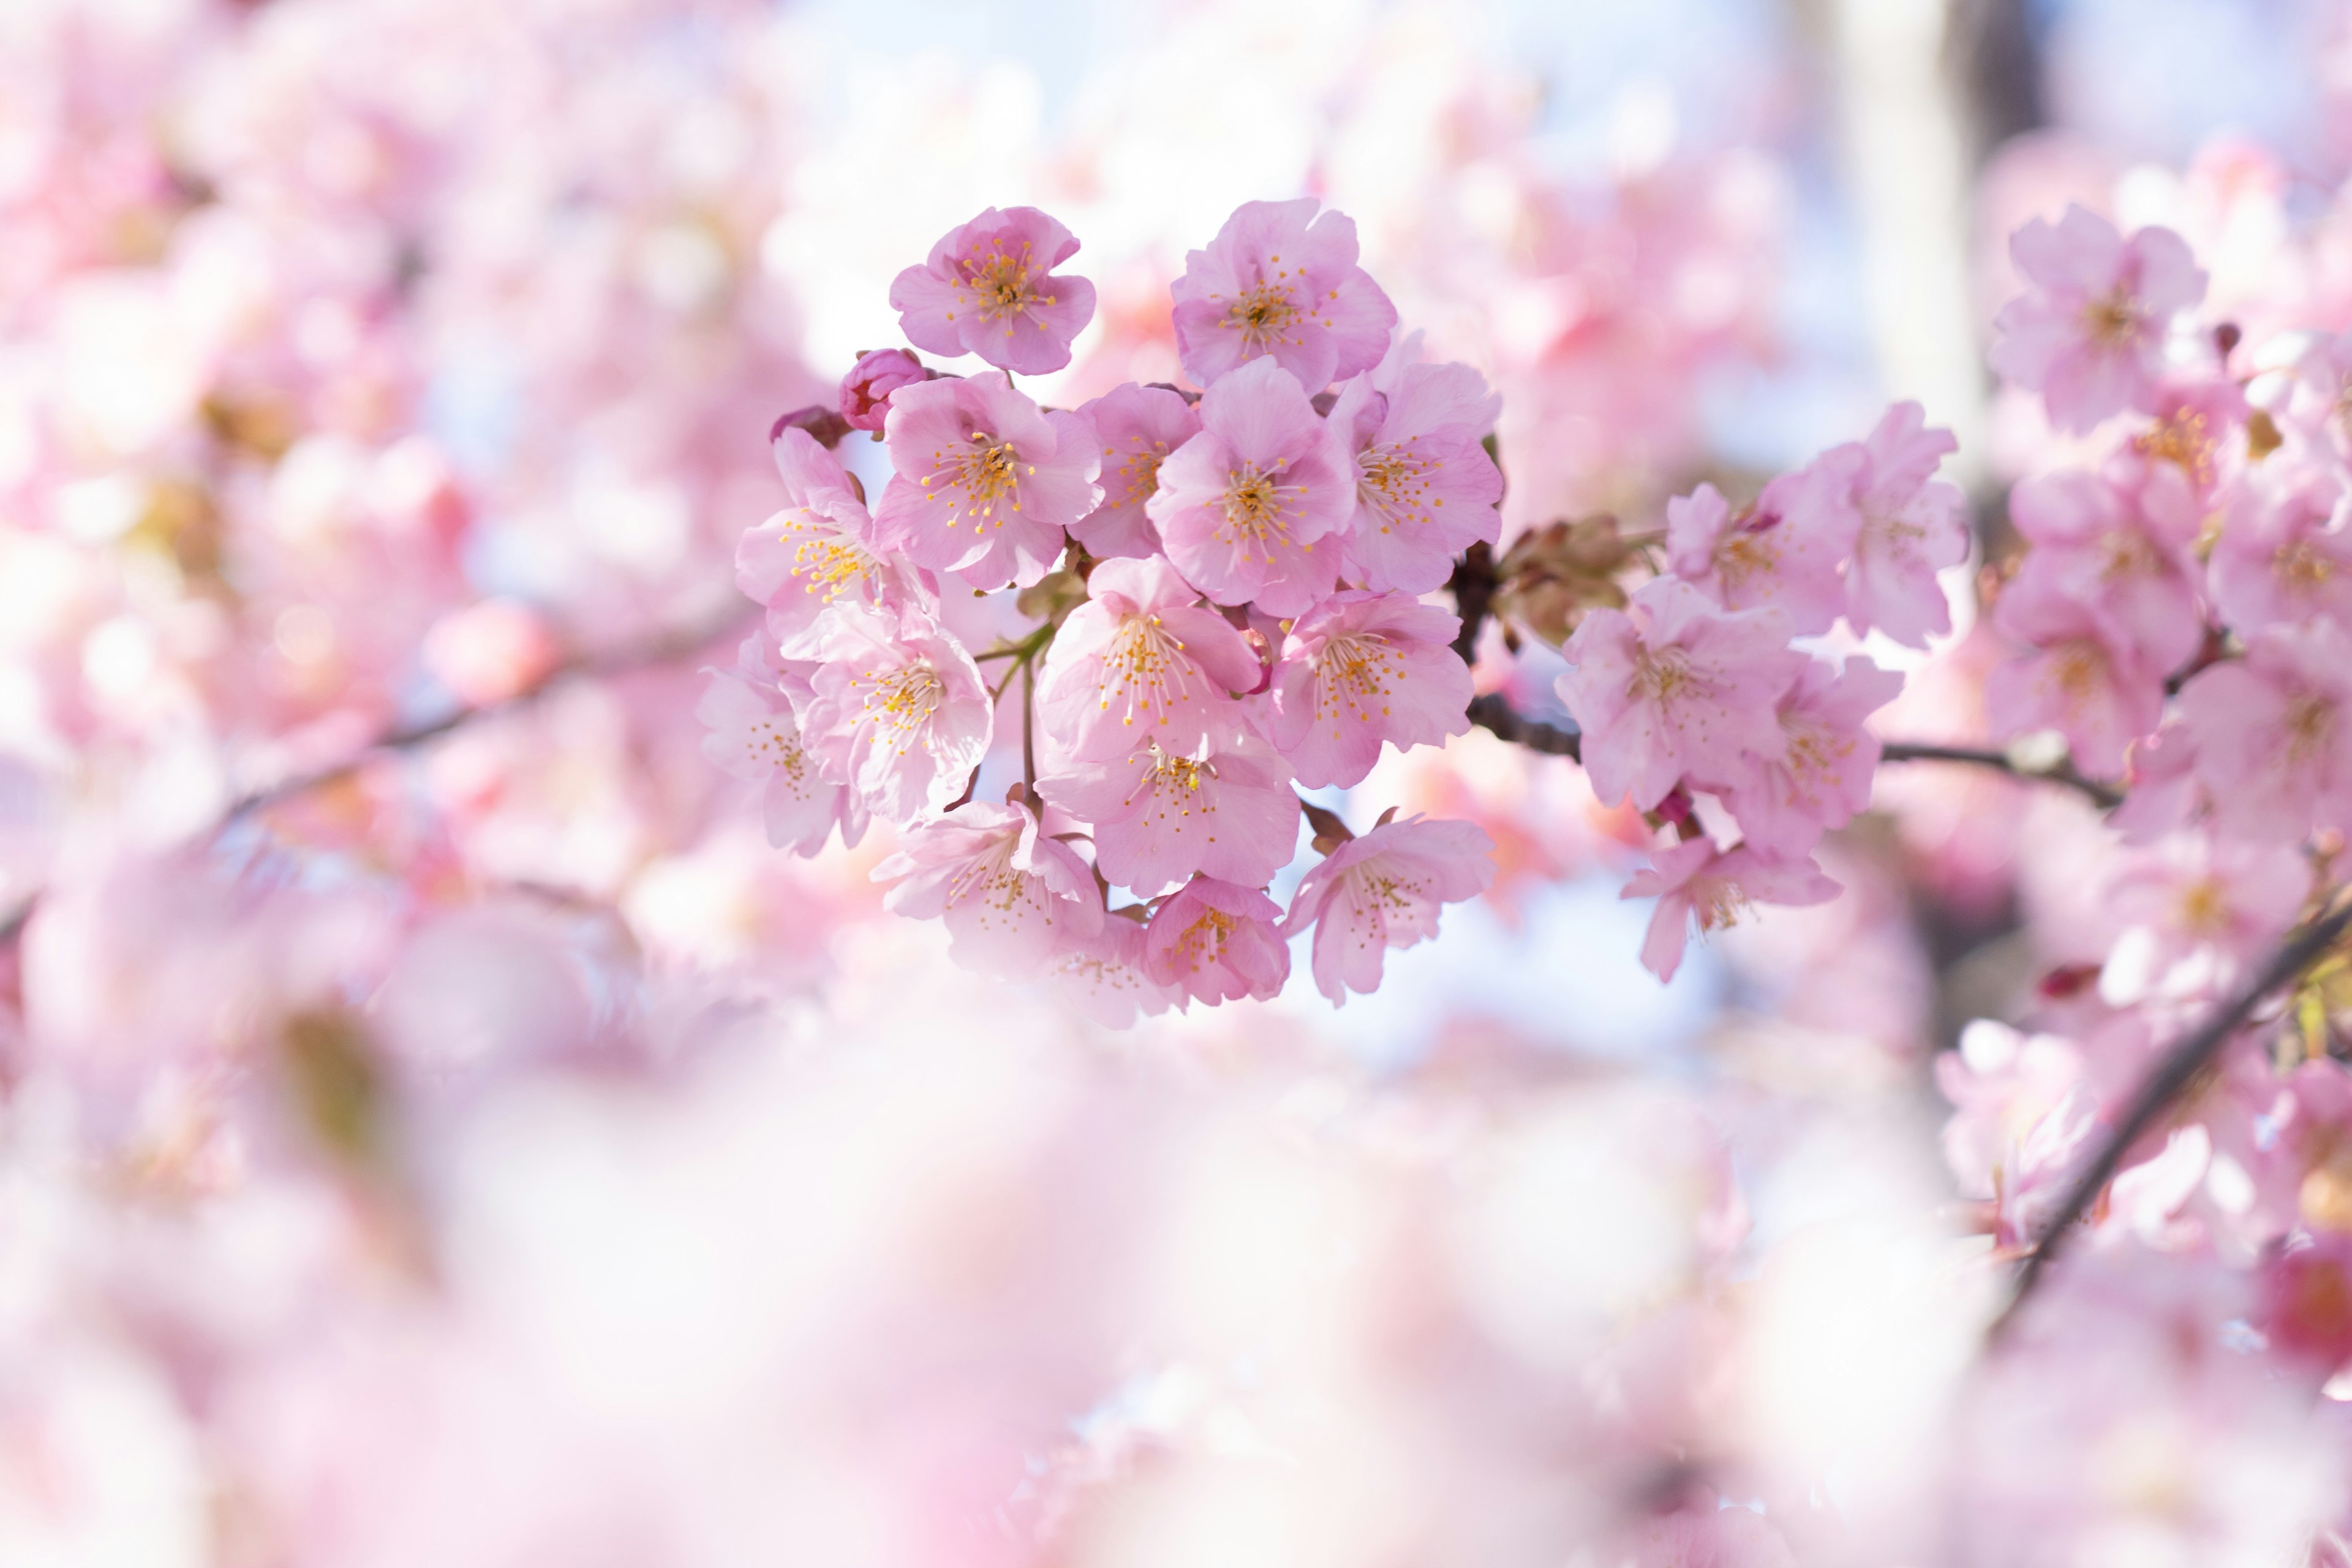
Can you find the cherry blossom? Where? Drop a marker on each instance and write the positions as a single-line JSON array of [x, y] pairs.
[[1104, 977], [2272, 733], [1137, 428], [990, 289], [1007, 894], [1823, 775], [1425, 488], [754, 737], [1248, 507], [2085, 678], [1384, 889], [1361, 669], [1142, 661], [2284, 553], [1783, 553], [2132, 554], [897, 711], [1695, 880], [1279, 281], [821, 550], [2091, 336], [1912, 525], [1672, 685], [984, 481], [1216, 941], [1225, 810]]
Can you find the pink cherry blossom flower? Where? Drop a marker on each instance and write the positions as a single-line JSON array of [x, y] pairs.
[[2286, 549], [2129, 552], [1142, 662], [1783, 553], [2083, 680], [2090, 337], [1250, 508], [1104, 977], [1823, 777], [2023, 1119], [1361, 669], [897, 711], [1225, 810], [1274, 283], [2194, 891], [1008, 894], [1425, 488], [753, 737], [866, 391], [1216, 941], [1136, 427], [1694, 880], [2273, 732], [1912, 526], [2200, 433], [990, 289], [1674, 685], [985, 481], [821, 550], [1383, 890]]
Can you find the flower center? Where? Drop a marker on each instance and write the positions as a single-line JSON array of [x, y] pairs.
[[1718, 904], [1392, 483], [1144, 667], [980, 474], [902, 700], [1662, 675], [1257, 509], [2112, 322], [1263, 315], [1000, 283], [2182, 439], [1203, 942], [1355, 672], [2303, 568]]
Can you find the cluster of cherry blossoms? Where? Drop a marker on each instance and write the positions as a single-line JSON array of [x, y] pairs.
[[1220, 602]]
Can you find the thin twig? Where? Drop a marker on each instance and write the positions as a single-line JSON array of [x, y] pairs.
[[2104, 795], [1028, 742], [2179, 1069]]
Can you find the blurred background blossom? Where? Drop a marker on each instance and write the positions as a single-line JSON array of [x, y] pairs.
[[491, 1153]]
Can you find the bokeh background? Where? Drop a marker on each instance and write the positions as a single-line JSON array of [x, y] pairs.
[[489, 1151]]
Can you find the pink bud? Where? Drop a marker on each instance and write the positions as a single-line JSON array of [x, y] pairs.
[[866, 390]]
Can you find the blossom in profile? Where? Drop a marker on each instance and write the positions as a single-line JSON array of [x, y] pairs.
[[1674, 685], [984, 481], [1142, 661], [1693, 880], [1213, 942], [1279, 281], [1425, 488], [2089, 333], [2272, 733], [990, 289], [1823, 775], [752, 736], [864, 396], [1912, 526], [1008, 894], [820, 550], [1361, 669], [897, 711], [1249, 510], [1136, 427], [1224, 809], [2082, 679], [1384, 889]]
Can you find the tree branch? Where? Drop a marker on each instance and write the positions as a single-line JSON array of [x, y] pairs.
[[2173, 1076], [2104, 795]]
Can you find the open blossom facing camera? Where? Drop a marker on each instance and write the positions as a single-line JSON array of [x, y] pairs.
[[1274, 283], [1217, 942], [2091, 336], [1137, 427], [984, 480], [1383, 890], [820, 551], [1143, 662], [990, 289], [1249, 510], [897, 710], [1672, 685], [1910, 526], [1360, 669], [1008, 894], [1225, 810], [1425, 488], [754, 737]]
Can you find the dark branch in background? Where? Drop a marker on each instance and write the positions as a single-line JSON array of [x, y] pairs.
[[1495, 715], [2104, 795], [661, 650], [1472, 586], [2170, 1079]]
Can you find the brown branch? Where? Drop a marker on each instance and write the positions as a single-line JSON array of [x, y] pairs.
[[2171, 1077], [1493, 714], [2104, 795], [1472, 586]]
